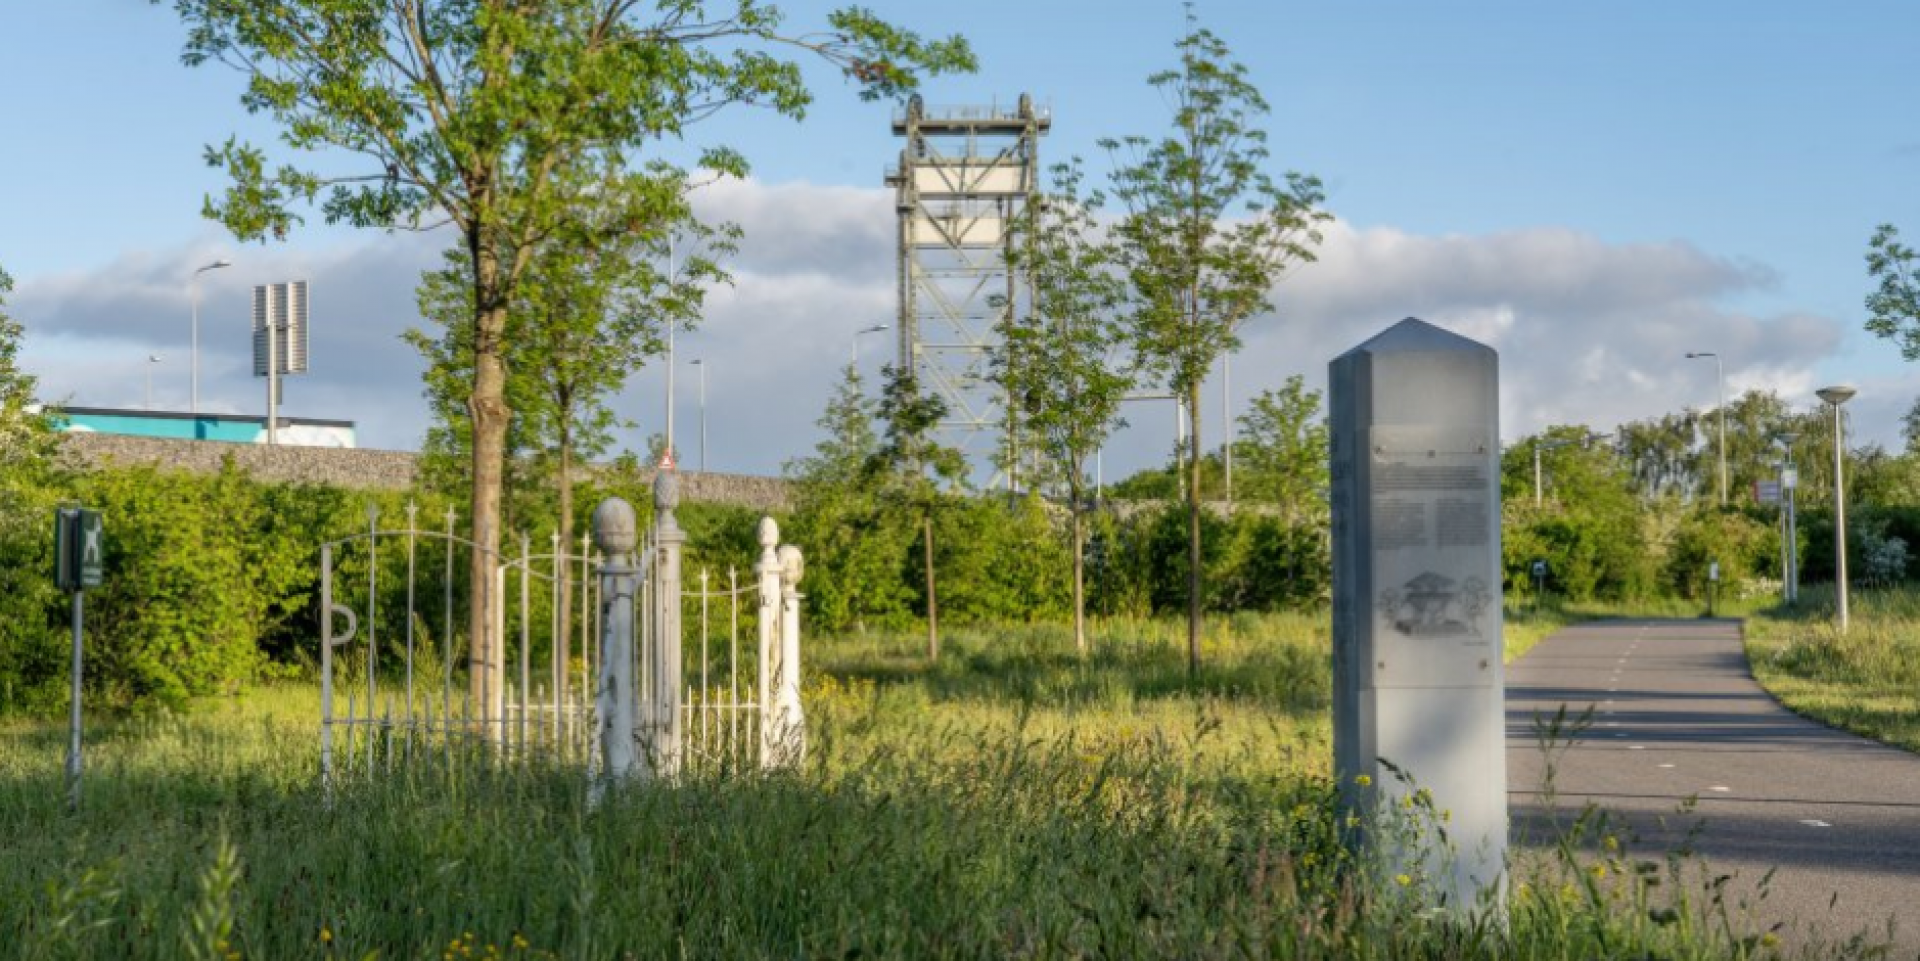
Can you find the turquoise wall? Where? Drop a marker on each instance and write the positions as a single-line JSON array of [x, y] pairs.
[[183, 428]]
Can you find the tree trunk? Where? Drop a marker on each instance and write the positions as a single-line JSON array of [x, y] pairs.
[[1193, 530], [488, 408], [1079, 566], [563, 628], [933, 600]]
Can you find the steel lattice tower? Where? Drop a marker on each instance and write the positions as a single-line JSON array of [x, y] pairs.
[[964, 174]]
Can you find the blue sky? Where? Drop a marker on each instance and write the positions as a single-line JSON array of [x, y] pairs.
[[1593, 188]]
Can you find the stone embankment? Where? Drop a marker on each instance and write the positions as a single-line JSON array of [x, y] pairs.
[[361, 468]]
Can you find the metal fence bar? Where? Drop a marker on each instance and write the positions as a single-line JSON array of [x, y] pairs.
[[412, 510], [373, 601]]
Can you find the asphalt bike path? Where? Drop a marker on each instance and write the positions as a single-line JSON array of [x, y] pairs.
[[1676, 714]]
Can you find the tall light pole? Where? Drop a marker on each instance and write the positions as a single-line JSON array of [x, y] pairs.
[[854, 358], [152, 359], [1720, 373], [1539, 445], [1790, 481], [672, 322], [1835, 396], [701, 363], [193, 286]]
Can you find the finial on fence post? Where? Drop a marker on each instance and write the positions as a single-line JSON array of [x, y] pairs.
[[616, 531]]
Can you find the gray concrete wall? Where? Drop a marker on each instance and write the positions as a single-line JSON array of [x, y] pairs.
[[360, 468]]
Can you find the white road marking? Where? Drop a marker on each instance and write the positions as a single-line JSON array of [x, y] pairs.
[[1721, 788], [1666, 765], [1636, 747], [1815, 823]]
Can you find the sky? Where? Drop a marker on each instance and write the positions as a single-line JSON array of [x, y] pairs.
[[1593, 189]]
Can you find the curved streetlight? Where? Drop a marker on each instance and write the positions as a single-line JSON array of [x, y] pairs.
[[1539, 445], [194, 286], [1720, 372], [1835, 396], [701, 363], [152, 359], [876, 328]]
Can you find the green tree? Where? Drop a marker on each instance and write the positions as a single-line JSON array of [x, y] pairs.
[[909, 467], [854, 548], [1058, 362], [1205, 235], [470, 113], [1893, 308], [593, 306], [29, 488], [1283, 451]]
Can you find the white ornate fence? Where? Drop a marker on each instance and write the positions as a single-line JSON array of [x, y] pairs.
[[631, 661]]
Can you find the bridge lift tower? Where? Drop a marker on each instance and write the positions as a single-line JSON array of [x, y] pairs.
[[964, 174]]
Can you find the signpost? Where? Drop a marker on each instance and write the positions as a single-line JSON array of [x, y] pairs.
[[1418, 696], [79, 561], [1713, 588]]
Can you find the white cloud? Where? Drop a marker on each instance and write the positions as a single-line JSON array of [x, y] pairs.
[[1588, 331]]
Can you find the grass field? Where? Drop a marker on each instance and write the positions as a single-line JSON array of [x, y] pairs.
[[1866, 681], [1012, 801]]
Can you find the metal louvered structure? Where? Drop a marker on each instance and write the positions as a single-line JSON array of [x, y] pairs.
[[279, 341], [965, 174]]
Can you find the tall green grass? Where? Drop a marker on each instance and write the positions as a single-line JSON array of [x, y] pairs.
[[1012, 801], [1866, 680]]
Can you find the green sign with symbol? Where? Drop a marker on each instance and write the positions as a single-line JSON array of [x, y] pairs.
[[79, 549]]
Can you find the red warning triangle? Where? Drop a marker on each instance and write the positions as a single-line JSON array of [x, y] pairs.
[[666, 459]]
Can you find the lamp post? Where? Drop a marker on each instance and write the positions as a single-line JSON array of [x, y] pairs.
[[193, 286], [1835, 396], [876, 328], [150, 361], [701, 363], [1720, 376], [1790, 481], [1539, 445]]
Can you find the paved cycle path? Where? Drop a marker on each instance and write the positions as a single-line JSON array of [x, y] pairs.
[[1677, 714]]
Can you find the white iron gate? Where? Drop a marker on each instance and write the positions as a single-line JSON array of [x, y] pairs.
[[631, 659]]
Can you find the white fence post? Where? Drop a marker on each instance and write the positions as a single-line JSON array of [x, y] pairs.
[[615, 531], [668, 639], [790, 722], [768, 568]]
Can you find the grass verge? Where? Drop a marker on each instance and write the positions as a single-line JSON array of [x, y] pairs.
[[1866, 681]]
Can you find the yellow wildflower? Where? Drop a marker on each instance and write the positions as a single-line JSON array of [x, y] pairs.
[[1362, 780], [1402, 880]]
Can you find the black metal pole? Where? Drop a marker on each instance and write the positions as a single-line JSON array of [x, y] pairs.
[[73, 732]]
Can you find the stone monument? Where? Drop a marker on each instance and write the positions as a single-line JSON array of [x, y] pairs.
[[1419, 718]]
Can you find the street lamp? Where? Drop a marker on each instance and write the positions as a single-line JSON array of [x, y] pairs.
[[1835, 396], [152, 359], [1720, 372], [702, 364], [876, 328], [193, 285], [1790, 481], [1539, 445]]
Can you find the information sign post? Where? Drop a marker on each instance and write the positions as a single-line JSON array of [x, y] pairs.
[[1419, 718]]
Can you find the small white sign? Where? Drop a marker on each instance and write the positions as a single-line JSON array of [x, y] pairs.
[[1713, 571]]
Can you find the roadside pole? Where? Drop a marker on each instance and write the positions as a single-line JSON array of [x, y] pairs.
[[79, 552]]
